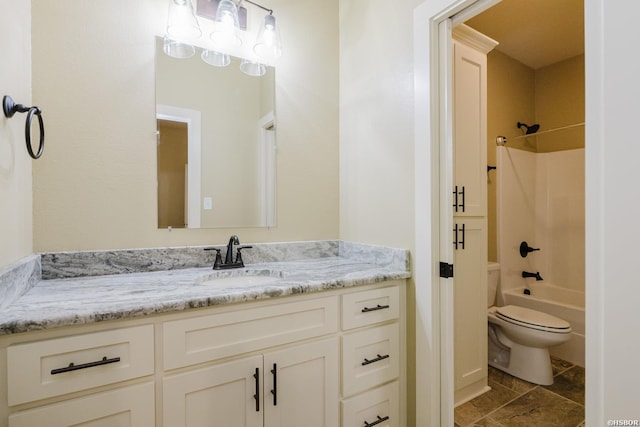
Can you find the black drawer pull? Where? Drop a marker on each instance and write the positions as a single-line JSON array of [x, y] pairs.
[[274, 391], [376, 422], [377, 307], [73, 367], [377, 359], [257, 395]]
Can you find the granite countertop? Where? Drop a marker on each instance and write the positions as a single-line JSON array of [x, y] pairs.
[[88, 299]]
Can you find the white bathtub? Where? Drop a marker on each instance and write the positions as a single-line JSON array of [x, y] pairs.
[[564, 303]]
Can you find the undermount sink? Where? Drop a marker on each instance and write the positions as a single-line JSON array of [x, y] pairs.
[[243, 280]]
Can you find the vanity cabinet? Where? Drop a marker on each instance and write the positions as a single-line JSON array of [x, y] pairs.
[[372, 358], [470, 50], [292, 361], [53, 367], [124, 407], [294, 386]]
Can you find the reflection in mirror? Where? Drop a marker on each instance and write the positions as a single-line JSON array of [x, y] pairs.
[[216, 144]]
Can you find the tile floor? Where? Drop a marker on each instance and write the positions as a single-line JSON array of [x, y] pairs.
[[515, 402]]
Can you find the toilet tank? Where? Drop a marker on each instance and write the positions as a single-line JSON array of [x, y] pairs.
[[492, 282]]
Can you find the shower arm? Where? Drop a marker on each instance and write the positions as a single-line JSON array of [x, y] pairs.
[[502, 140]]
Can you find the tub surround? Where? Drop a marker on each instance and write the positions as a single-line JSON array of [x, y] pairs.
[[141, 290]]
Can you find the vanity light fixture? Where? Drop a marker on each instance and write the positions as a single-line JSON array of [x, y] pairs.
[[216, 59], [176, 49], [227, 25], [253, 68], [268, 44], [182, 24]]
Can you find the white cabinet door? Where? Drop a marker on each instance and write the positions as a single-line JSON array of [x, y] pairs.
[[470, 308], [131, 406], [301, 385], [470, 131], [222, 395]]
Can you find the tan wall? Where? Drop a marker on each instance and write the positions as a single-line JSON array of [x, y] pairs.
[[16, 234], [172, 161], [510, 99], [95, 77], [560, 102]]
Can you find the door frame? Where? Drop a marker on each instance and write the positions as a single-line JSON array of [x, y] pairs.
[[433, 172], [194, 169]]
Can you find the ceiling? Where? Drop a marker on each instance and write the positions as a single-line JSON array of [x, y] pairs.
[[536, 33]]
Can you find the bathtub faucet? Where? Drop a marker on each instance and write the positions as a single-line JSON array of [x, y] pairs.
[[526, 274]]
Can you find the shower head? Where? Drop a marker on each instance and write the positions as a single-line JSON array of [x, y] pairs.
[[529, 129]]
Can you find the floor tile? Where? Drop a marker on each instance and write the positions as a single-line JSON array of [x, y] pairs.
[[539, 407], [509, 381], [570, 384], [486, 422], [559, 365], [477, 408]]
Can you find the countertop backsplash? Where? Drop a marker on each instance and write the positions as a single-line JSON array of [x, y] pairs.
[[62, 265], [69, 288], [18, 278]]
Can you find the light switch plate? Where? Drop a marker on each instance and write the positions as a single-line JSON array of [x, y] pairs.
[[207, 203]]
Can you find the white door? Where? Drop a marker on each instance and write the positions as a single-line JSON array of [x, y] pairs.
[[470, 295], [469, 131]]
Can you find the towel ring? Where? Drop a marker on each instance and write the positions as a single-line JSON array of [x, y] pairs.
[[10, 108]]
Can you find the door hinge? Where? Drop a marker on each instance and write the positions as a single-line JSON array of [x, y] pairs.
[[446, 270]]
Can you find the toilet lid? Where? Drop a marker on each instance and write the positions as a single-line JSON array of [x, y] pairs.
[[532, 318]]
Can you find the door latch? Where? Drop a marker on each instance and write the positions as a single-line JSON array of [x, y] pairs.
[[446, 270]]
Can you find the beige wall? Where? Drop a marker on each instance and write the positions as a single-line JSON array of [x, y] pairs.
[[15, 163], [376, 134], [93, 72], [376, 121]]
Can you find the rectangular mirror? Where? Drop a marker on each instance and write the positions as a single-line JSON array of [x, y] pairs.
[[216, 144]]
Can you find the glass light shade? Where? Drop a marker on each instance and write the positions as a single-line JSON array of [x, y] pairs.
[[268, 44], [176, 49], [216, 59], [181, 21], [252, 68], [225, 33]]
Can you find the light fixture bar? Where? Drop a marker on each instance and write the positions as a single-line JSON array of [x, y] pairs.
[[258, 5]]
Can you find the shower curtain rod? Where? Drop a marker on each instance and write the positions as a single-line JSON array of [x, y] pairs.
[[502, 140]]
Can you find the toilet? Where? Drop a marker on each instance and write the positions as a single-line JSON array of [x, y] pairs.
[[519, 338]]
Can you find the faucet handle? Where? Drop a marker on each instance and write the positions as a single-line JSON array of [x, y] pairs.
[[239, 254], [218, 260]]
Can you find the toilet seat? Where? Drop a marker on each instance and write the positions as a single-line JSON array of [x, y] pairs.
[[532, 319]]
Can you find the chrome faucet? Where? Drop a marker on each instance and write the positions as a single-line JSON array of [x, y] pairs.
[[526, 274], [229, 262]]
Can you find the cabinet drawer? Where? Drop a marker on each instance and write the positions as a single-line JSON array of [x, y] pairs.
[[201, 339], [370, 307], [370, 358], [381, 405], [128, 406], [63, 365]]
